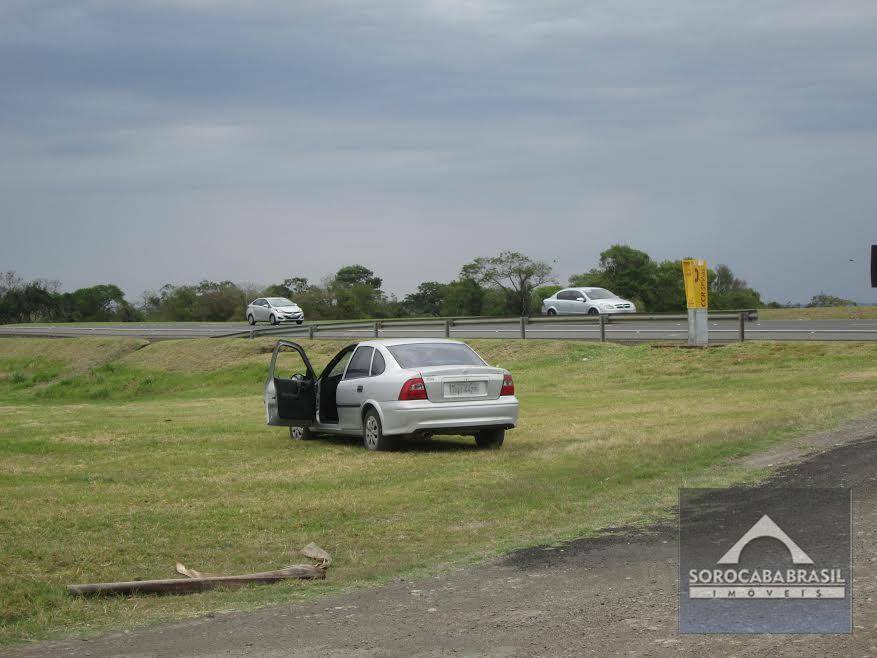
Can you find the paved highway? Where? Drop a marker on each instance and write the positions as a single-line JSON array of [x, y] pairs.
[[720, 331]]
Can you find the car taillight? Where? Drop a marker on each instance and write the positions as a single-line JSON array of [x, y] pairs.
[[413, 389], [508, 386]]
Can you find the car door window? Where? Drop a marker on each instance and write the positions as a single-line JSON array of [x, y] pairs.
[[336, 369], [289, 362], [359, 363], [378, 364]]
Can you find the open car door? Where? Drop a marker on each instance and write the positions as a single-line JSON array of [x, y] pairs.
[[290, 390]]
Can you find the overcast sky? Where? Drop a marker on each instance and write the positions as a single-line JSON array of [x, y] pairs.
[[154, 141]]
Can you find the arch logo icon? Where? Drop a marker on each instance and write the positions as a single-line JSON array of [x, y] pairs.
[[765, 560]]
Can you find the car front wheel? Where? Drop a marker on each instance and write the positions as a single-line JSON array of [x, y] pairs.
[[372, 434], [490, 439], [593, 311], [299, 321], [300, 433], [273, 319]]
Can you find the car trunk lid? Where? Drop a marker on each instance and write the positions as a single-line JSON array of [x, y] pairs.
[[462, 383]]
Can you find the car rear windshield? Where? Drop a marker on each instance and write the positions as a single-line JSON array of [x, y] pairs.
[[419, 355], [601, 293]]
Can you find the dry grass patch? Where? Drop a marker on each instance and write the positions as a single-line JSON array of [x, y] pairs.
[[826, 313], [76, 352]]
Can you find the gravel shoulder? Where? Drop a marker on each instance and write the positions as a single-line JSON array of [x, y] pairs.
[[617, 594]]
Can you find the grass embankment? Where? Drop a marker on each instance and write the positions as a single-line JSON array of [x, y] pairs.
[[119, 458], [821, 313]]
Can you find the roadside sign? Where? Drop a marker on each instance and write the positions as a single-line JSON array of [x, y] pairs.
[[694, 272]]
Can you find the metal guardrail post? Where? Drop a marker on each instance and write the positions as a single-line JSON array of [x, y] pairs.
[[448, 328], [742, 336], [377, 328], [311, 329], [523, 327], [602, 328], [252, 333]]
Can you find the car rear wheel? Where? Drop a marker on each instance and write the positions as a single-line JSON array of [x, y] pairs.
[[551, 311], [372, 434], [300, 433], [490, 439], [251, 319], [593, 311], [273, 319]]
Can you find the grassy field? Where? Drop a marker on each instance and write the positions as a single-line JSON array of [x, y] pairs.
[[120, 457], [827, 313]]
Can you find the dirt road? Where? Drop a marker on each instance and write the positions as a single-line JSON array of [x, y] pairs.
[[610, 596]]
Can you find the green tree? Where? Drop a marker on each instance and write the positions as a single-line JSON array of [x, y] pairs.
[[351, 275], [27, 302], [823, 299], [317, 301], [722, 280], [357, 293], [729, 292], [668, 289], [463, 297], [218, 301], [427, 299], [209, 301], [290, 288], [513, 273]]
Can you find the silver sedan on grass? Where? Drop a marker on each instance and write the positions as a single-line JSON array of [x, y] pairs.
[[384, 389]]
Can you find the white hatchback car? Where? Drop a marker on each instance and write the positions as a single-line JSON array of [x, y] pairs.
[[393, 387], [586, 301], [274, 310]]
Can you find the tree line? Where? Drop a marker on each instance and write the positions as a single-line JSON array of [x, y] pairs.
[[507, 284]]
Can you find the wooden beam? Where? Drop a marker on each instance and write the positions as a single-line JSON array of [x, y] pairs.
[[199, 582]]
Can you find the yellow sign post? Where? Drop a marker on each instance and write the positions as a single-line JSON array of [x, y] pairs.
[[697, 298], [694, 271]]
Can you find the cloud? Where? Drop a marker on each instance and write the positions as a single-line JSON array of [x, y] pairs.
[[355, 131]]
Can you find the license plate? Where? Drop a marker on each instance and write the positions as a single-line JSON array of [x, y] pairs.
[[465, 389]]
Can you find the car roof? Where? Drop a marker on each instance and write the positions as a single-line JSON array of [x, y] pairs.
[[390, 342]]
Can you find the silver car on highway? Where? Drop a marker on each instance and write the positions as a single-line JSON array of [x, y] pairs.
[[586, 301], [388, 388], [274, 310]]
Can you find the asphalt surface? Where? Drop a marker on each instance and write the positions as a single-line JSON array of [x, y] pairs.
[[614, 595], [720, 331]]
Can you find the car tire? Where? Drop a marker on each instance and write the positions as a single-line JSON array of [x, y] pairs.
[[251, 320], [490, 439], [551, 311], [300, 433], [373, 434], [593, 311], [273, 319], [299, 321]]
